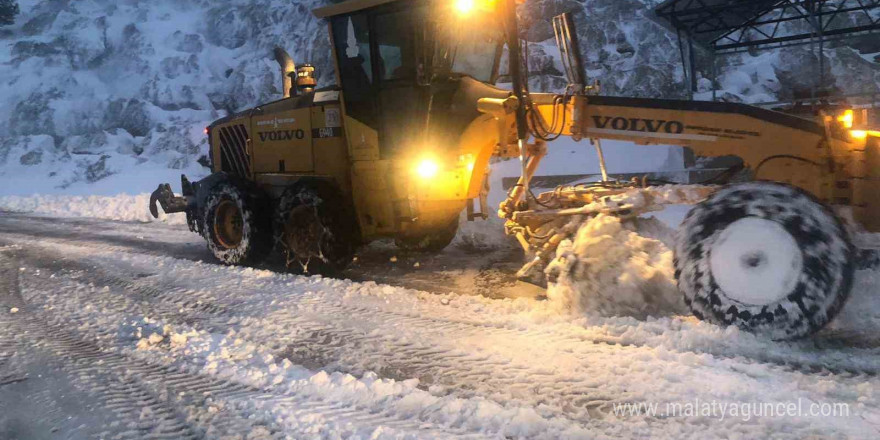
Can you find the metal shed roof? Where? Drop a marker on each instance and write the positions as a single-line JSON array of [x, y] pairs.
[[347, 7], [734, 24]]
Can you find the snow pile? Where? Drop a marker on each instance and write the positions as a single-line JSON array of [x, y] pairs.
[[623, 267], [610, 268], [122, 207]]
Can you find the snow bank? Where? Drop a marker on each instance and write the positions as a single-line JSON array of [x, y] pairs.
[[121, 207]]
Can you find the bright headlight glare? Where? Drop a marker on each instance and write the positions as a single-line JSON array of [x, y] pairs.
[[846, 119], [427, 168], [464, 7], [863, 134]]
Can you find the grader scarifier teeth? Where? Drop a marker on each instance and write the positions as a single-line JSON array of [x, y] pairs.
[[533, 273]]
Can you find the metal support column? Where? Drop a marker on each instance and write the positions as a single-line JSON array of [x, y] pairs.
[[692, 64], [714, 76], [686, 64]]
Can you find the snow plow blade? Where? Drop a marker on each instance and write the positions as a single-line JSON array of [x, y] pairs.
[[169, 202]]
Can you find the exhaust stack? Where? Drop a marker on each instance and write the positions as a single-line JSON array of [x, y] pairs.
[[288, 71]]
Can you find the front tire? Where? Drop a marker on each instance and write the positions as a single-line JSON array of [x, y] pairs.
[[766, 257], [431, 242], [234, 225]]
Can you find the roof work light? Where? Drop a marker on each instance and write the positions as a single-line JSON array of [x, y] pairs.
[[468, 7]]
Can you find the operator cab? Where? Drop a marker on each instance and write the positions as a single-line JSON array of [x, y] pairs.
[[411, 70]]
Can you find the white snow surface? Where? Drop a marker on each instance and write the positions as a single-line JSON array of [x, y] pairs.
[[340, 359], [115, 103]]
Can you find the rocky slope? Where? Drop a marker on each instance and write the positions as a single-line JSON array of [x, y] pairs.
[[97, 88]]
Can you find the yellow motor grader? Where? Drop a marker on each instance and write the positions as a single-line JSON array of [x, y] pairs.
[[400, 146]]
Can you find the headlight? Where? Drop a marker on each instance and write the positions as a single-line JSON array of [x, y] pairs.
[[846, 119], [464, 7], [427, 168], [863, 134]]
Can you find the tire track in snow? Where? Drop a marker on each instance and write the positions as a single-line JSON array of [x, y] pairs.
[[83, 361], [230, 305], [833, 364], [10, 299], [102, 241], [312, 321], [133, 388], [389, 358]]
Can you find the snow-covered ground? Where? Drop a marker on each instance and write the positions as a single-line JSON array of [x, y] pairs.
[[114, 326], [117, 325], [152, 344]]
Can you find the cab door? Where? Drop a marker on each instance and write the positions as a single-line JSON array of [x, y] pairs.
[[402, 102]]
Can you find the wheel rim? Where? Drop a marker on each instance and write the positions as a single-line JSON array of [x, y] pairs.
[[756, 261], [228, 224]]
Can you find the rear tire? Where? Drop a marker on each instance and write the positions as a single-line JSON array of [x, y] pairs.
[[236, 228], [315, 229], [766, 257], [431, 242]]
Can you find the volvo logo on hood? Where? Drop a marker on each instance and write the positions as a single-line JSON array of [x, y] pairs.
[[281, 135], [638, 124]]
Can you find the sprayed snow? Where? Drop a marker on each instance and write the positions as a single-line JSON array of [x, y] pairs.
[[611, 269]]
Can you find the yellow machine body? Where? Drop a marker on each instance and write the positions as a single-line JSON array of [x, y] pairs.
[[420, 188]]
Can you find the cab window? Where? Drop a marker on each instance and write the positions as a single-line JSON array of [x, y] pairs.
[[351, 35], [394, 40]]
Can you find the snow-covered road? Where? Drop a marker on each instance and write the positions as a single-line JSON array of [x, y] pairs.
[[129, 330]]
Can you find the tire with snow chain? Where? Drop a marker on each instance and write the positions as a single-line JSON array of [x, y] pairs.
[[434, 241], [236, 227], [315, 229], [766, 257]]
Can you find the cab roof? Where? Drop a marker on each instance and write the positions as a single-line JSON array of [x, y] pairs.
[[348, 7]]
